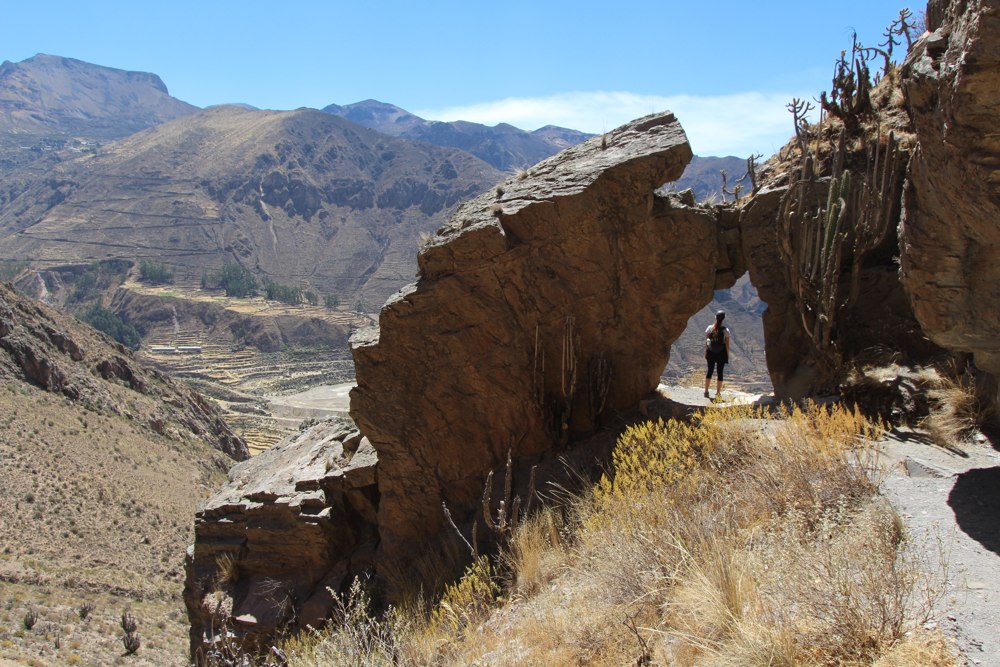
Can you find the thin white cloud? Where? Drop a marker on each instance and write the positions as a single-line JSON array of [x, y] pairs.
[[737, 124]]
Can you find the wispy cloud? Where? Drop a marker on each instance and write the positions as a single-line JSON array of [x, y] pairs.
[[736, 124]]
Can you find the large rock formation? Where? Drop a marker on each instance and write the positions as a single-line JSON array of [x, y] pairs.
[[949, 234], [277, 542], [542, 308]]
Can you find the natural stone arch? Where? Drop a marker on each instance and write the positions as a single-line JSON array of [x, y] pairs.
[[543, 307]]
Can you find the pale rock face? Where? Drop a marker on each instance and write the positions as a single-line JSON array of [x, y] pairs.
[[291, 525], [575, 265], [951, 224]]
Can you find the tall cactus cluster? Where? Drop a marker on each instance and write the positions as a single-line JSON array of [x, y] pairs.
[[825, 240]]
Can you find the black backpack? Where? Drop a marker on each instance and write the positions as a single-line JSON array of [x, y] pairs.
[[717, 340]]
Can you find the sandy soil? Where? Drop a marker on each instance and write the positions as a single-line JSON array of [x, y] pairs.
[[317, 402]]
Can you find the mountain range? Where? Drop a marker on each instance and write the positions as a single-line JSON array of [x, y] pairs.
[[503, 146], [334, 202]]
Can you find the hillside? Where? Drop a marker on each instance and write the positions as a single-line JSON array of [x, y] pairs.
[[306, 198], [48, 103], [104, 464]]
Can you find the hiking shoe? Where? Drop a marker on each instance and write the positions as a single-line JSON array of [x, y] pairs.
[[706, 394]]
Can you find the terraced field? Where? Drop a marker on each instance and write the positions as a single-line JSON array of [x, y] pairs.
[[242, 379]]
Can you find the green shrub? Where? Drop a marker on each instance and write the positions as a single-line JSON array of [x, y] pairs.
[[111, 324], [155, 272], [237, 280]]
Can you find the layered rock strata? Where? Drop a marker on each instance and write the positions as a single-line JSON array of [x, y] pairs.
[[543, 308], [281, 538], [949, 234]]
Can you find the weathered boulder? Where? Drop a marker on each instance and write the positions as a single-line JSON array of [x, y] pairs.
[[950, 231], [292, 524], [541, 309]]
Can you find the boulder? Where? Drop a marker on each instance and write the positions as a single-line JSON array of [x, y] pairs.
[[542, 309], [949, 233], [291, 527]]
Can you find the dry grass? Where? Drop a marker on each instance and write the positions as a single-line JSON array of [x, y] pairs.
[[743, 539], [96, 508], [956, 412]]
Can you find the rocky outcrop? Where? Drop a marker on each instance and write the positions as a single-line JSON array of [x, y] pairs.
[[949, 234], [291, 527], [63, 355], [542, 309]]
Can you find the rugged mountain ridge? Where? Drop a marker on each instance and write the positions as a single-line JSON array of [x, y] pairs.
[[503, 146], [61, 355], [49, 102], [306, 198]]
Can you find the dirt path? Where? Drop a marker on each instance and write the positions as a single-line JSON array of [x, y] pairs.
[[950, 502], [951, 506]]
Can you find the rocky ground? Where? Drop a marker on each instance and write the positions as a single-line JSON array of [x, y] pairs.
[[950, 501]]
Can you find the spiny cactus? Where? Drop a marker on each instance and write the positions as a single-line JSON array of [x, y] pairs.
[[30, 618], [856, 218], [131, 641], [128, 622]]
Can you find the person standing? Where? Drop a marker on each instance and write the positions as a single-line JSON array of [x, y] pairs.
[[716, 352]]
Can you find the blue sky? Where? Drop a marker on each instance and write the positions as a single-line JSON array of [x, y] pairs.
[[726, 68]]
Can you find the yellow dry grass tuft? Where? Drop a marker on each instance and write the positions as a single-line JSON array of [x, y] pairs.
[[743, 538]]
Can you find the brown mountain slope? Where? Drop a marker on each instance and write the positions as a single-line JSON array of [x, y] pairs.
[[48, 103], [306, 198], [51, 95], [103, 464]]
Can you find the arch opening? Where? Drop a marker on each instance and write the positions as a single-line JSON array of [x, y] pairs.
[[747, 370]]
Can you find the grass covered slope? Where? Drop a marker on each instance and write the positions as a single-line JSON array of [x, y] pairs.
[[103, 464], [741, 539]]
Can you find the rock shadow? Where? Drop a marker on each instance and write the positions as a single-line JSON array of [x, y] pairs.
[[975, 499]]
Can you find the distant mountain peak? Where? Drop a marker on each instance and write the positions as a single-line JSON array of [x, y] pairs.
[[503, 146]]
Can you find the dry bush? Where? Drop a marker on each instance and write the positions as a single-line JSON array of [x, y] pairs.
[[355, 636], [956, 412], [740, 539], [536, 554]]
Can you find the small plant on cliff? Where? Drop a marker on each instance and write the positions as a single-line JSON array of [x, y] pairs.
[[84, 610], [30, 618]]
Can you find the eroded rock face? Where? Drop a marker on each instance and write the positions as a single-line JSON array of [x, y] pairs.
[[292, 525], [542, 308], [59, 354], [950, 235]]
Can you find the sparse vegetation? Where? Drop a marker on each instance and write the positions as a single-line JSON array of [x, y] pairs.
[[155, 272], [236, 280], [741, 539], [110, 323], [95, 278], [283, 293]]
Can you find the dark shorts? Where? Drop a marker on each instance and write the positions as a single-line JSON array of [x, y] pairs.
[[716, 359]]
